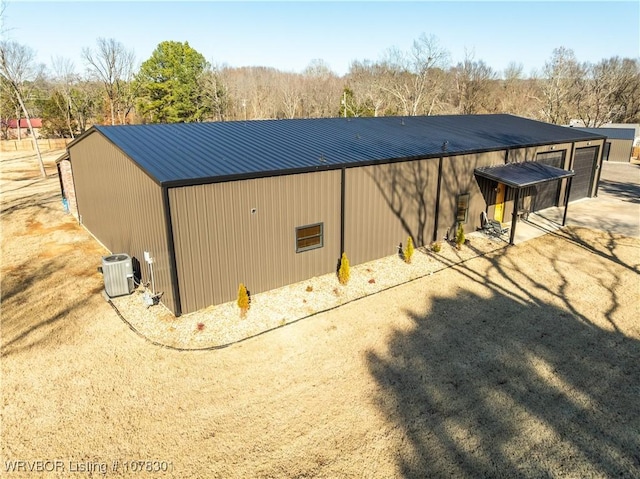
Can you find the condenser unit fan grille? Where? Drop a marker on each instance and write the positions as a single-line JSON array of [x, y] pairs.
[[117, 270]]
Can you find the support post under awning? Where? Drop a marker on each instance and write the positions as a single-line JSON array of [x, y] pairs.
[[566, 201], [514, 217]]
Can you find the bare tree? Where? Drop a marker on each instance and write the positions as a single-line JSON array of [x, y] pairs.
[[558, 86], [216, 92], [86, 96], [18, 68], [414, 79], [370, 96], [473, 82], [515, 93], [608, 92], [321, 90], [65, 77], [8, 106], [290, 88], [627, 96], [113, 65]]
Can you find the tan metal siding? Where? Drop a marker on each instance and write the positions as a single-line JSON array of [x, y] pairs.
[[620, 150], [518, 155], [385, 204], [122, 207], [458, 178], [219, 243]]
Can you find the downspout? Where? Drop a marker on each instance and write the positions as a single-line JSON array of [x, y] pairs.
[[173, 267], [437, 212], [64, 194]]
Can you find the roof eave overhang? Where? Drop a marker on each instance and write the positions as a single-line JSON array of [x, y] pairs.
[[65, 156], [81, 137], [176, 183], [194, 181], [288, 171]]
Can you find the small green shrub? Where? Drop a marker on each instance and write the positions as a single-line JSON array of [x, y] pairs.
[[344, 273], [436, 246], [408, 252], [460, 236], [243, 300]]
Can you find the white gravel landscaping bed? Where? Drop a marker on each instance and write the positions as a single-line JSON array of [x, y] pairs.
[[222, 324]]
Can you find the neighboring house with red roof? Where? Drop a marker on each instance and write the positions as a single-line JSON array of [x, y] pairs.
[[18, 129]]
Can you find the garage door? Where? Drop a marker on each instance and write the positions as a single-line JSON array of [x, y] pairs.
[[547, 193], [584, 164]]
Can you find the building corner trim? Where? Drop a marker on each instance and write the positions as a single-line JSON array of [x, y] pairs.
[[343, 177], [173, 265]]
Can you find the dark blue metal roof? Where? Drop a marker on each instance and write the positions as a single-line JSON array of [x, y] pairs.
[[195, 153], [520, 175], [613, 133]]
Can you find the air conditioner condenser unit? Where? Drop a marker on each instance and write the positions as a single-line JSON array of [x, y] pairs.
[[117, 270]]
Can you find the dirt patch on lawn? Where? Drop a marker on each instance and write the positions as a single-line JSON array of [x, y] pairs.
[[519, 363]]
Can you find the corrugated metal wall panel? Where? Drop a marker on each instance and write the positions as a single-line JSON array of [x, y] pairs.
[[220, 243], [385, 204], [457, 179], [122, 207], [620, 150]]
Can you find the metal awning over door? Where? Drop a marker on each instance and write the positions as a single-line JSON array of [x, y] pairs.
[[547, 194], [523, 175]]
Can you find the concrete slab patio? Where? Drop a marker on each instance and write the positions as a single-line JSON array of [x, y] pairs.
[[616, 209]]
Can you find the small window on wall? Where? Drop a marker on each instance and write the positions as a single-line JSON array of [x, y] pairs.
[[462, 208], [309, 237]]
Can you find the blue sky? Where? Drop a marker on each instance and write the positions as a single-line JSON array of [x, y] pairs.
[[289, 35]]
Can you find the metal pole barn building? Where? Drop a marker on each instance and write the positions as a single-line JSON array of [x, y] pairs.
[[619, 143], [273, 202]]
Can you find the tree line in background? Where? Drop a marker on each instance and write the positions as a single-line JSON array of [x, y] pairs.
[[177, 84]]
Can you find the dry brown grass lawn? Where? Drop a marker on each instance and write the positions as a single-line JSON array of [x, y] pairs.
[[521, 363]]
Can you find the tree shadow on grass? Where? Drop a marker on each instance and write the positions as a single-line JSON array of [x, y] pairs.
[[42, 201], [515, 375], [491, 387], [623, 191], [33, 313]]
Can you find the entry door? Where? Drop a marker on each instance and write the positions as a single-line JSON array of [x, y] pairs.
[[498, 215]]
